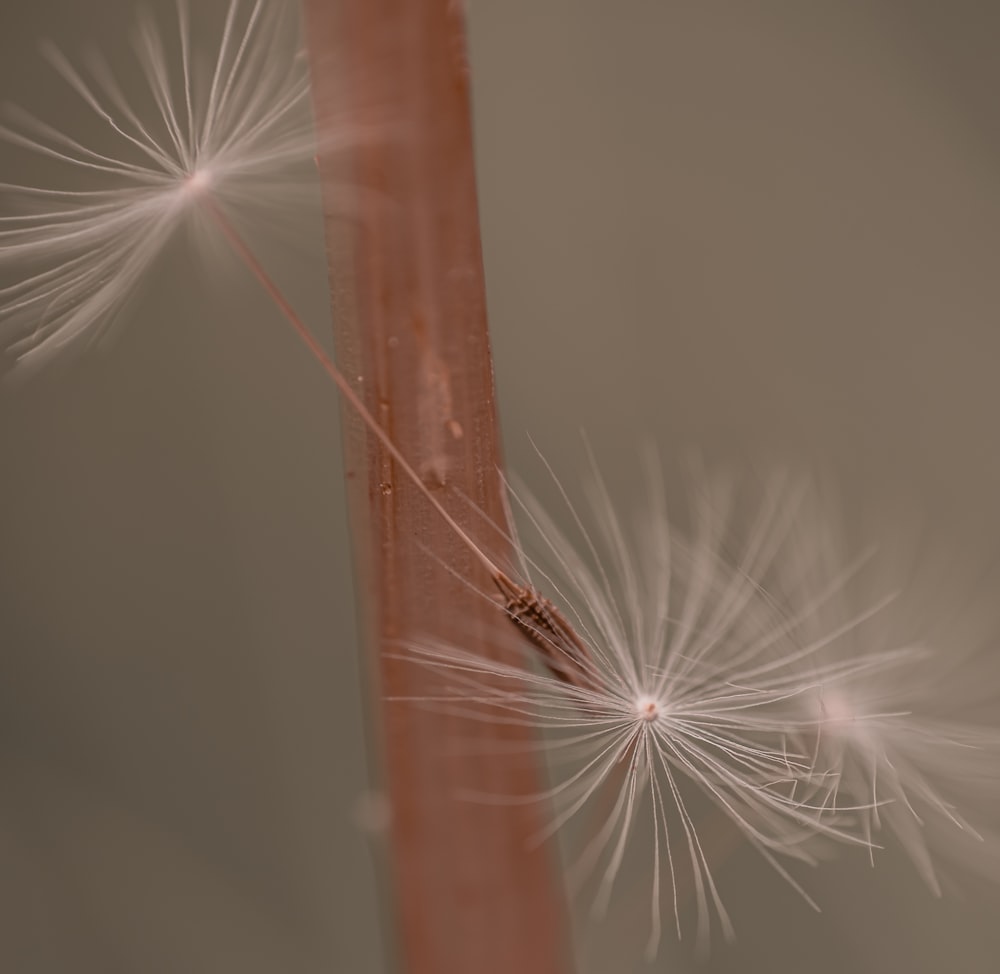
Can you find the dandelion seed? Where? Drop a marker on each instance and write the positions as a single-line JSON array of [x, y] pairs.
[[236, 130], [681, 683]]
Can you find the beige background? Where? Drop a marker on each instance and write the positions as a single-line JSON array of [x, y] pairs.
[[750, 229]]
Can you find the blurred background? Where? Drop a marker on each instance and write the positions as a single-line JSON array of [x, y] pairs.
[[748, 230]]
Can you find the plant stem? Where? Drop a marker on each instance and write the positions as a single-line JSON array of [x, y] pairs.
[[471, 893]]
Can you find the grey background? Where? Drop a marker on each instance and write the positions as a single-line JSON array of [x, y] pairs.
[[749, 229]]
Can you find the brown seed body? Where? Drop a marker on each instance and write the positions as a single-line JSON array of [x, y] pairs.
[[563, 651]]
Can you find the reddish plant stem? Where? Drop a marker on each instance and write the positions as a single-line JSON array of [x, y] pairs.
[[471, 891]]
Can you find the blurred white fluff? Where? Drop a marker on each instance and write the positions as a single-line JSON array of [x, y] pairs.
[[235, 123], [694, 684], [894, 698]]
